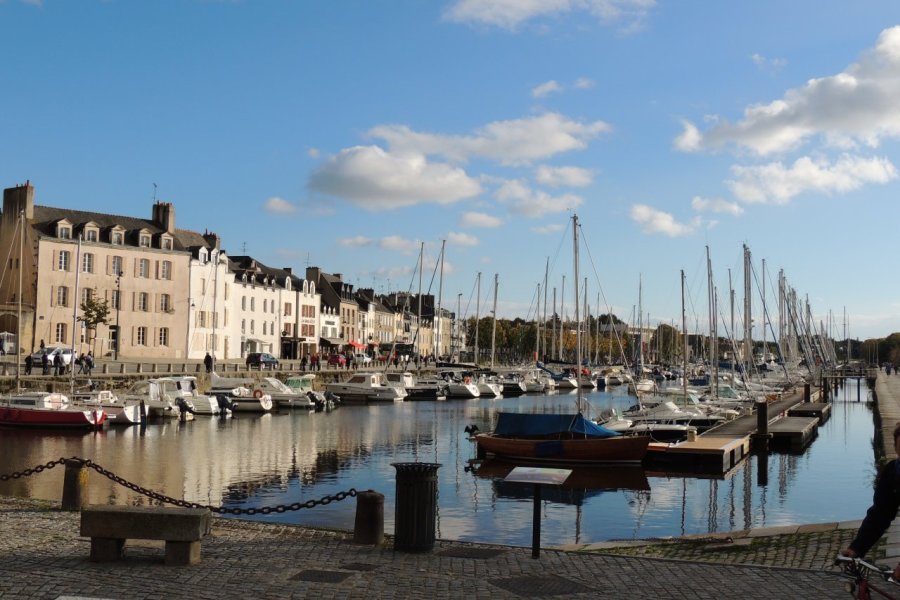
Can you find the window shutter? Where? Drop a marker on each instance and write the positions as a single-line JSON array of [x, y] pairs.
[[55, 260], [109, 265], [156, 268], [52, 295], [136, 271]]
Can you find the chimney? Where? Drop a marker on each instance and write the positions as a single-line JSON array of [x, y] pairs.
[[164, 216], [212, 239], [19, 198]]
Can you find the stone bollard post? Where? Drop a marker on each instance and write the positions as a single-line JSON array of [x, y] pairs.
[[369, 525], [75, 485]]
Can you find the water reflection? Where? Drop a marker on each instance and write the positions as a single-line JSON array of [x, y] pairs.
[[266, 460]]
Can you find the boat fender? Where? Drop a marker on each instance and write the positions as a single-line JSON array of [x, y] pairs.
[[467, 381], [257, 394]]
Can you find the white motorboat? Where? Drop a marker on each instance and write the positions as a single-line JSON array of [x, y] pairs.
[[243, 392], [303, 384], [366, 388], [416, 389], [459, 386], [208, 405], [161, 398], [284, 396], [488, 388], [118, 412]]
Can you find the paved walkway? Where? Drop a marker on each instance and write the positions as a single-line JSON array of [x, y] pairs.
[[44, 557]]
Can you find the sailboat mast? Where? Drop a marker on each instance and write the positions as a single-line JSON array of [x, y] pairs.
[[684, 356], [494, 324], [748, 317], [440, 321], [19, 298], [477, 312], [544, 320], [562, 302], [577, 317], [537, 330], [419, 326], [75, 316]]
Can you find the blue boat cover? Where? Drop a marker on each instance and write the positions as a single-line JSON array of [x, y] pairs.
[[518, 424]]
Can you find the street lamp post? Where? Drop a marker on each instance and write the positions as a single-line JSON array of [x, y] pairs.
[[118, 307]]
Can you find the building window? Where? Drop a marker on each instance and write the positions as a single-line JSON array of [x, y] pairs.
[[166, 272], [90, 235], [243, 325], [65, 233], [163, 336], [141, 336], [87, 263], [243, 302], [63, 260], [265, 325], [144, 268], [144, 241], [116, 265], [287, 309], [115, 299], [251, 326], [166, 243], [227, 290], [117, 238], [61, 333], [62, 296], [252, 304], [87, 294], [165, 303], [143, 301]]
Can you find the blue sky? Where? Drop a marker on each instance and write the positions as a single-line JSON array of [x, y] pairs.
[[343, 134]]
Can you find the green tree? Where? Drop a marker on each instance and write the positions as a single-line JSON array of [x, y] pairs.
[[94, 311]]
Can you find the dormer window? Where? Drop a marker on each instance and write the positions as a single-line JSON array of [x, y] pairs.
[[117, 238], [90, 235], [166, 243], [144, 240], [64, 232]]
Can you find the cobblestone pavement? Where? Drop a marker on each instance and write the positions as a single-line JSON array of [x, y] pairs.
[[44, 557]]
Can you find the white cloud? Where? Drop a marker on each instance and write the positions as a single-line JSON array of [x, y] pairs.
[[399, 244], [461, 239], [690, 139], [583, 83], [547, 229], [855, 107], [657, 221], [313, 153], [769, 64], [776, 183], [522, 199], [716, 205], [517, 141], [279, 206], [564, 176], [510, 14], [371, 178], [355, 242], [477, 219], [548, 87]]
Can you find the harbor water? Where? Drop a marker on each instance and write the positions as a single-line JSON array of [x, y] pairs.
[[284, 458]]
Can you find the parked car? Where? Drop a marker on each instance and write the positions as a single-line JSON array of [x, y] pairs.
[[261, 360], [362, 359], [337, 360], [51, 355]]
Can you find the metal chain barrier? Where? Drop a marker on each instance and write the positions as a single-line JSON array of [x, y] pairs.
[[35, 470], [222, 510]]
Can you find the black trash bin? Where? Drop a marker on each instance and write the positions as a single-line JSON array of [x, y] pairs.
[[415, 510]]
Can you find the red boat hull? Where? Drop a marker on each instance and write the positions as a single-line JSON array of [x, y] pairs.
[[27, 417], [619, 449]]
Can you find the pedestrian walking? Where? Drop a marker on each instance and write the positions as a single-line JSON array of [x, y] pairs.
[[303, 363], [89, 362], [29, 364], [43, 347], [45, 362], [208, 362], [58, 364]]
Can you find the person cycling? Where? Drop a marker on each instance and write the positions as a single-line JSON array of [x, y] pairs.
[[883, 510]]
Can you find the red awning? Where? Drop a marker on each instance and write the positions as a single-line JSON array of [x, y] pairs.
[[357, 345]]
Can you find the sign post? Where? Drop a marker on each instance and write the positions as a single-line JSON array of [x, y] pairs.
[[537, 476]]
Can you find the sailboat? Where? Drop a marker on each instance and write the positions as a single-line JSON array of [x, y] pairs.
[[561, 438]]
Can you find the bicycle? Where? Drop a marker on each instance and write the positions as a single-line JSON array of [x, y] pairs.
[[859, 572]]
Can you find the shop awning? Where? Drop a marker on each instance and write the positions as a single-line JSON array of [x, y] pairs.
[[332, 341], [357, 345]]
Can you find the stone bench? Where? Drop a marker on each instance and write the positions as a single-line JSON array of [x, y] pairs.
[[181, 529]]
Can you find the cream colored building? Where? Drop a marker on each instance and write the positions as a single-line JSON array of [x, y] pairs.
[[139, 266]]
